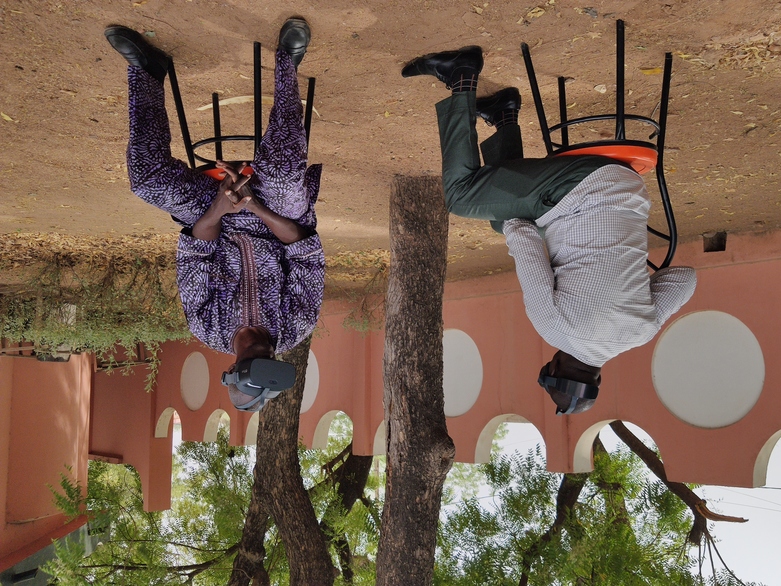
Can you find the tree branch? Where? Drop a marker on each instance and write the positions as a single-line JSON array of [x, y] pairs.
[[350, 479], [696, 504], [569, 491], [613, 493], [196, 568]]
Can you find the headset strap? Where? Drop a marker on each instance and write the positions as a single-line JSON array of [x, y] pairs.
[[569, 387], [254, 401]]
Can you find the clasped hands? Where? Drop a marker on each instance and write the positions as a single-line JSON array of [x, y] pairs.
[[234, 193]]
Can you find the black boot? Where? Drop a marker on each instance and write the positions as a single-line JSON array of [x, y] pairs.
[[450, 67], [137, 51], [294, 37], [500, 108]]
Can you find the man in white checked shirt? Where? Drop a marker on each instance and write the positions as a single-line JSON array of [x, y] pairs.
[[585, 283]]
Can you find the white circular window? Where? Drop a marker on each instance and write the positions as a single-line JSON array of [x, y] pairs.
[[194, 381], [708, 369], [463, 372], [311, 384]]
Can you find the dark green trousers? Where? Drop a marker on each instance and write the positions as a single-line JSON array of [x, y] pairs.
[[508, 186]]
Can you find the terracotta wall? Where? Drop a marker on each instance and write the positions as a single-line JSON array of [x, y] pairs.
[[44, 422]]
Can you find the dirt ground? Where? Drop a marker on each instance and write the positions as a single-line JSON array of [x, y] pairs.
[[63, 101]]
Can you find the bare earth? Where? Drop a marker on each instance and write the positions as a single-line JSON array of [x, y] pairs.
[[63, 99]]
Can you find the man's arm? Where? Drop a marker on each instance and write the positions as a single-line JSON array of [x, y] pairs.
[[198, 282], [302, 293], [285, 229], [534, 272], [231, 198], [670, 289]]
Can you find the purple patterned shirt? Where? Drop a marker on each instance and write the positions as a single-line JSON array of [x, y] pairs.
[[249, 277]]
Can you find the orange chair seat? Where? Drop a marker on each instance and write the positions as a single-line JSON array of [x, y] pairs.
[[642, 159], [219, 174]]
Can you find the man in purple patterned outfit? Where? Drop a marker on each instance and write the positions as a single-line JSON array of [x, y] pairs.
[[250, 265]]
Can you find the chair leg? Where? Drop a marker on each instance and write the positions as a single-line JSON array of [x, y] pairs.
[[527, 59], [669, 214], [563, 111], [620, 83], [258, 97], [310, 100], [217, 127], [665, 196]]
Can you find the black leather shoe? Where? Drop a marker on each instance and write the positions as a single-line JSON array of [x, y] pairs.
[[490, 108], [294, 37], [137, 51], [447, 66]]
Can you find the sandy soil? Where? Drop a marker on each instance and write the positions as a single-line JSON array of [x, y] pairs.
[[63, 101]]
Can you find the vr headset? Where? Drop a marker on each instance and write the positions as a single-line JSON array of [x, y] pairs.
[[573, 389], [261, 378]]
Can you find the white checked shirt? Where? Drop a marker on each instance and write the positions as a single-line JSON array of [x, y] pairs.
[[591, 295]]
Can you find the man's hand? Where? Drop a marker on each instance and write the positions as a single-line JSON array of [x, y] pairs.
[[233, 195], [239, 193]]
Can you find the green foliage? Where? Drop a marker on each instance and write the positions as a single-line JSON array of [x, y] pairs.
[[361, 524], [70, 501], [195, 541], [367, 304], [85, 298], [623, 530], [192, 541]]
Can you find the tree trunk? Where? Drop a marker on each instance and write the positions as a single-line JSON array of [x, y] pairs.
[[280, 488], [569, 492], [613, 493], [350, 481], [248, 563], [419, 449], [656, 466]]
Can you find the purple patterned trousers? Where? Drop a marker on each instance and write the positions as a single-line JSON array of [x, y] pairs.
[[169, 184]]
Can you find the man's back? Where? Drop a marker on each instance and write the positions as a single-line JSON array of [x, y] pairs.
[[593, 297]]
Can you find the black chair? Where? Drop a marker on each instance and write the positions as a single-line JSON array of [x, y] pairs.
[[642, 155], [207, 165]]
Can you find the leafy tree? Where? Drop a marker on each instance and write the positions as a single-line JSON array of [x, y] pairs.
[[196, 540], [191, 543], [617, 525]]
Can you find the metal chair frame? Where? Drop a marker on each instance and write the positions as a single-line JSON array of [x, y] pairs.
[[218, 138], [621, 117]]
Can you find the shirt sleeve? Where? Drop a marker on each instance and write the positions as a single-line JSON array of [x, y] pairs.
[[670, 289], [302, 294], [195, 271], [534, 273]]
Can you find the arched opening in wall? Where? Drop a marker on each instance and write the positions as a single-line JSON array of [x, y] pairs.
[[508, 434], [767, 466], [335, 427], [507, 440], [380, 440], [251, 437], [311, 383], [218, 419], [194, 381], [584, 450], [105, 478], [463, 372], [167, 418]]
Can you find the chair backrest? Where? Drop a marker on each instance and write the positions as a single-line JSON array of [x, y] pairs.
[[207, 165], [642, 155]]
